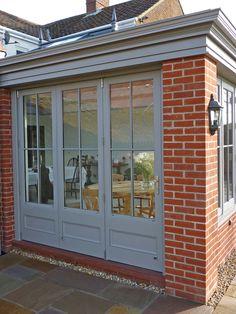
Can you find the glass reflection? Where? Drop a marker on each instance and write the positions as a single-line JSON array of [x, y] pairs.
[[89, 175], [88, 117], [226, 178], [133, 184], [70, 118], [230, 172], [45, 120], [81, 173], [143, 121], [31, 176], [230, 118], [144, 184], [71, 179], [121, 183], [38, 161], [120, 115]]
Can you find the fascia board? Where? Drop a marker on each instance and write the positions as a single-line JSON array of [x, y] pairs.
[[114, 61], [131, 44]]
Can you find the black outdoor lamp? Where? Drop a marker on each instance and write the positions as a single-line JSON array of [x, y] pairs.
[[214, 110]]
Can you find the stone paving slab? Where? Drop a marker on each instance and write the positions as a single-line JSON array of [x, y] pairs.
[[170, 305], [51, 310], [121, 309], [234, 281], [231, 292], [8, 284], [9, 308], [37, 294], [21, 272], [227, 305], [77, 280], [131, 296], [83, 303], [10, 259]]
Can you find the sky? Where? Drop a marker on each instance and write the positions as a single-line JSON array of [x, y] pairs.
[[46, 11]]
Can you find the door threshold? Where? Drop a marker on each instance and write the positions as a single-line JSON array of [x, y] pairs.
[[138, 274]]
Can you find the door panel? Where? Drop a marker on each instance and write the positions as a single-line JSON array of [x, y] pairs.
[[133, 151], [39, 215], [81, 209]]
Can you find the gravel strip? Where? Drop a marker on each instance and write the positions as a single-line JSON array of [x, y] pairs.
[[226, 274], [90, 271]]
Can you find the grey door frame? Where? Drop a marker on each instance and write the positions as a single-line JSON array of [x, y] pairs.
[[103, 145], [122, 223]]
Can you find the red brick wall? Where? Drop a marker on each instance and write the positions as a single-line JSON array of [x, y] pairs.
[[6, 172], [226, 238], [190, 179]]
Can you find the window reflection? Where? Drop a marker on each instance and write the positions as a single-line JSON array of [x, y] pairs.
[[38, 148], [132, 155], [80, 148], [226, 179]]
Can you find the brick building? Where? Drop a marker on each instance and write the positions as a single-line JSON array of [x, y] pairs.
[[106, 151]]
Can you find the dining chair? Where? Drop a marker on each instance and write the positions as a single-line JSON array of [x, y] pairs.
[[118, 200], [145, 205], [90, 199], [73, 182], [73, 162]]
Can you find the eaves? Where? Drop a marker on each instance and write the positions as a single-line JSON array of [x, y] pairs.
[[171, 38]]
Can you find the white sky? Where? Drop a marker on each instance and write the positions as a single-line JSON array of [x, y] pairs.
[[45, 11]]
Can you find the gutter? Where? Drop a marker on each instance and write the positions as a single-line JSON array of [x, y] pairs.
[[19, 35]]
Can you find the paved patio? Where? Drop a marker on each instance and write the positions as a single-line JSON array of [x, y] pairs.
[[31, 286]]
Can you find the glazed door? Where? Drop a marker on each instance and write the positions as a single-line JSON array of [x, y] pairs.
[[91, 166], [38, 182], [81, 216], [133, 170], [61, 155]]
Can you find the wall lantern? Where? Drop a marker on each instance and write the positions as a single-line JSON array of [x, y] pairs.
[[214, 110]]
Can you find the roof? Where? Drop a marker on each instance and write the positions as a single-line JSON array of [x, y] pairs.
[[78, 23], [19, 24], [124, 11]]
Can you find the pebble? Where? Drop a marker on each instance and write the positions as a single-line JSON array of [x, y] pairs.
[[90, 271], [226, 274]]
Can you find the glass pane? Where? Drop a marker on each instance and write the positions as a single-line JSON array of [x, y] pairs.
[[226, 178], [45, 120], [71, 179], [144, 200], [31, 176], [219, 177], [46, 177], [230, 117], [88, 117], [89, 174], [120, 115], [143, 118], [70, 118], [224, 117], [30, 121], [122, 183], [230, 172]]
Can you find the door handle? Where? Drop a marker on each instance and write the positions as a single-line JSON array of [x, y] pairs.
[[156, 183]]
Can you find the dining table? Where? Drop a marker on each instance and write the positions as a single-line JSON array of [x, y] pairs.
[[122, 190], [33, 174]]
